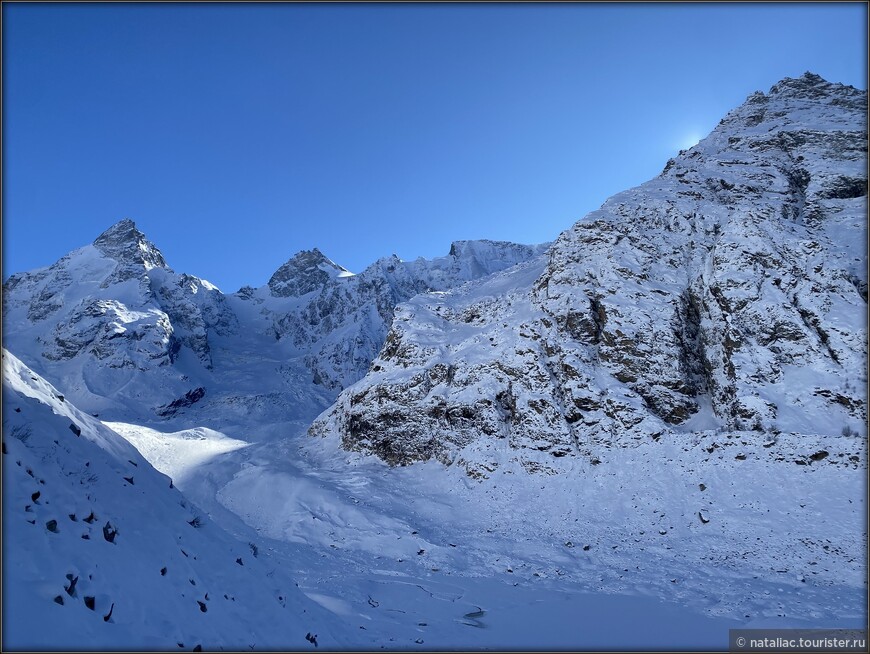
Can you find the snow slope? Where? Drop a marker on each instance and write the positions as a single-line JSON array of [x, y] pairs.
[[570, 557], [144, 580], [100, 552]]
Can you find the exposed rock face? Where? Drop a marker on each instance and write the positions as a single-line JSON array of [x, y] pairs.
[[729, 292], [129, 247], [196, 309], [306, 272], [189, 399]]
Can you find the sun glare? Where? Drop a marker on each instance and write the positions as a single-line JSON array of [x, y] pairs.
[[689, 140]]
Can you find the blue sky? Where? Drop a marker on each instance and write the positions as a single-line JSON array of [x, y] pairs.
[[236, 135]]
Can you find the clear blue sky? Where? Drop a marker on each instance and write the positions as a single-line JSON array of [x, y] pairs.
[[236, 135]]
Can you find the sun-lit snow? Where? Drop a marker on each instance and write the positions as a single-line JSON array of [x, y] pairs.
[[177, 454]]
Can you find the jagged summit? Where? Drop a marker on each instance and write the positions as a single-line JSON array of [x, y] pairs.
[[305, 272], [810, 86], [788, 101], [125, 243], [827, 119], [122, 228]]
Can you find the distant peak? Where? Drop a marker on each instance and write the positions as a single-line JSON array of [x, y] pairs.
[[306, 271], [125, 243], [121, 230], [313, 258], [484, 245]]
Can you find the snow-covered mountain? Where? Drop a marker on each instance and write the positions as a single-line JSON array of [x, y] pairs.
[[115, 326], [340, 320], [125, 335], [642, 435], [728, 293]]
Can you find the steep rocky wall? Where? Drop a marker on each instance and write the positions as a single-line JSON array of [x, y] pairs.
[[728, 293]]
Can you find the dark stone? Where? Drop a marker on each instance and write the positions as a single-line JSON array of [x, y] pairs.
[[302, 274], [188, 399], [109, 532], [844, 188], [124, 243]]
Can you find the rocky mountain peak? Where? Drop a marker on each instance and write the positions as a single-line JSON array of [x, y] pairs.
[[808, 86], [305, 272], [787, 101], [126, 244]]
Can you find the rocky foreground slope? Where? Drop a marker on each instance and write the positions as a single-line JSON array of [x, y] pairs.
[[729, 293], [103, 552]]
